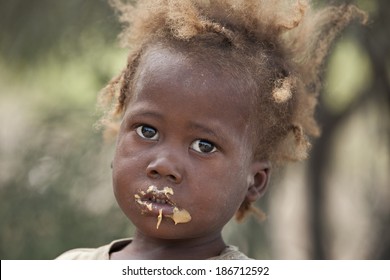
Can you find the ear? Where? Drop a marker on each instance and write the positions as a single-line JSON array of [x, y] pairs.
[[258, 180]]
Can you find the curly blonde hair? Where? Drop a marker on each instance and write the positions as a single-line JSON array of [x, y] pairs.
[[281, 45]]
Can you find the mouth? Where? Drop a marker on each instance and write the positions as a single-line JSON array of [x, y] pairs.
[[157, 202], [157, 197], [154, 200]]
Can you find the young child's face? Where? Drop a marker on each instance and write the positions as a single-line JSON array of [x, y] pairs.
[[183, 146]]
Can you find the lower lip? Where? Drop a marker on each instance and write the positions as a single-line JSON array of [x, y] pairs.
[[166, 209]]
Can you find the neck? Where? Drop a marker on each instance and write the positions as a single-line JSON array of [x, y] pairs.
[[146, 247]]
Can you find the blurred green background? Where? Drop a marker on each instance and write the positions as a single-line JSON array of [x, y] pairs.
[[55, 181]]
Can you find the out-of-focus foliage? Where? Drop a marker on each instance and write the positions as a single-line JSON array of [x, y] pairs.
[[31, 29], [55, 186], [55, 181], [349, 71]]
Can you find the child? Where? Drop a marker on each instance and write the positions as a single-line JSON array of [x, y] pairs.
[[214, 94]]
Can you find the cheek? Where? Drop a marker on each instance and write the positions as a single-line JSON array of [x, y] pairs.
[[121, 182], [127, 164], [128, 154], [222, 192], [125, 145], [236, 184]]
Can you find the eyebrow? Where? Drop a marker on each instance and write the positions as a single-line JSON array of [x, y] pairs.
[[142, 113], [215, 133]]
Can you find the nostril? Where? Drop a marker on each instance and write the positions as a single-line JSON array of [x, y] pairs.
[[172, 178], [153, 173]]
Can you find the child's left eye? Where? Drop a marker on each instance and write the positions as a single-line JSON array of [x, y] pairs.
[[147, 132], [203, 146]]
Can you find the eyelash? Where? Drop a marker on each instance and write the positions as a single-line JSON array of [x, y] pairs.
[[142, 129]]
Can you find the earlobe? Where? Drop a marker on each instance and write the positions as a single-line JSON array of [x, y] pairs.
[[258, 182]]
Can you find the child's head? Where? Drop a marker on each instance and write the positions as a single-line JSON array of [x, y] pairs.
[[214, 92], [187, 129]]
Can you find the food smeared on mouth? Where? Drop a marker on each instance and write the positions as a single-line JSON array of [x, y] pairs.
[[159, 218], [156, 199], [152, 189], [180, 216], [143, 203]]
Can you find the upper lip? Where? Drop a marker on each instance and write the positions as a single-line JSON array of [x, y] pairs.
[[156, 195]]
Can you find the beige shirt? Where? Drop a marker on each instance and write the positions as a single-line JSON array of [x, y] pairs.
[[103, 252]]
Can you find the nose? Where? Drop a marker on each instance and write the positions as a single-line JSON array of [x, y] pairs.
[[165, 166]]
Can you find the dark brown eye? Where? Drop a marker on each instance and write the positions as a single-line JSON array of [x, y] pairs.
[[203, 146], [147, 132]]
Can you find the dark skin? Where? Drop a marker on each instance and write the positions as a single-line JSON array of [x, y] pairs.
[[187, 129]]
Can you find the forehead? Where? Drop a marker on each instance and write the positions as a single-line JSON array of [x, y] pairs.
[[167, 69]]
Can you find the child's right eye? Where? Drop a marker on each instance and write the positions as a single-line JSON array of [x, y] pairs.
[[147, 132]]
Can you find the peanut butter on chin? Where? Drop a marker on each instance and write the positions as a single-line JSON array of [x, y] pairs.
[[180, 216], [159, 219]]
